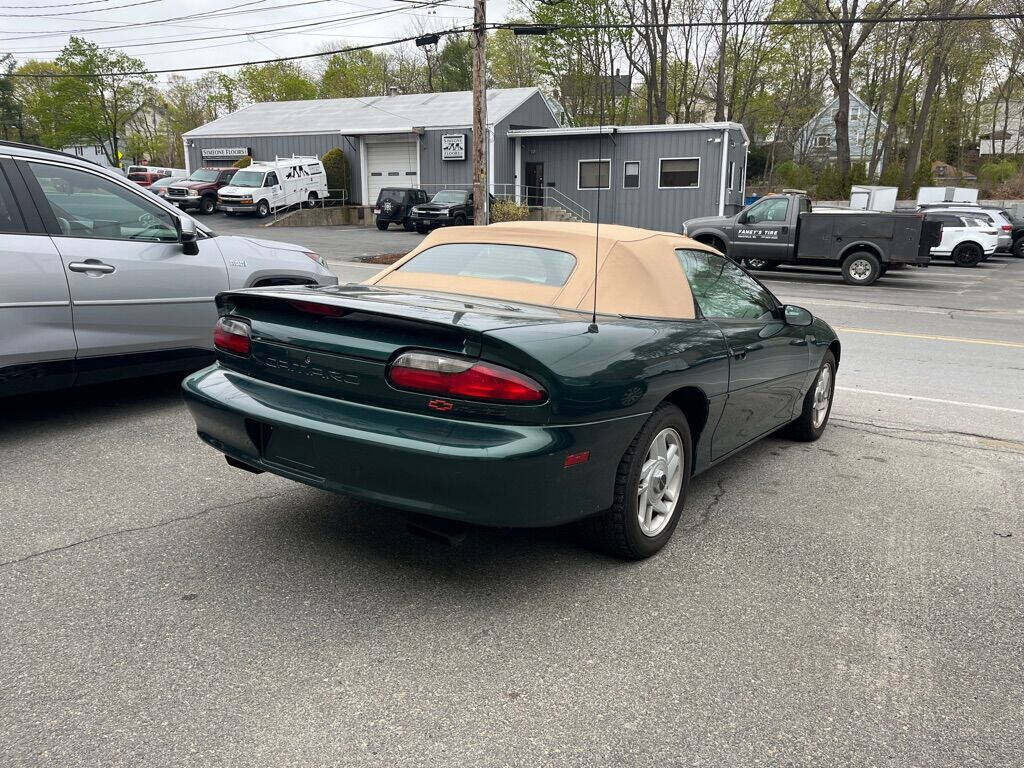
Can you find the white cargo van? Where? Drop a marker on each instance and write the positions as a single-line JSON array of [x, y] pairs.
[[266, 186]]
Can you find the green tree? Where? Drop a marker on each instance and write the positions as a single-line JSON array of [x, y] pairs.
[[43, 113], [280, 81], [337, 170], [358, 73], [98, 105], [454, 65], [512, 59]]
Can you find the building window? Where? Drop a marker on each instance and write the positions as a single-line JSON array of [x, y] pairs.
[[854, 112], [823, 141], [732, 175], [631, 174], [674, 172], [594, 174]]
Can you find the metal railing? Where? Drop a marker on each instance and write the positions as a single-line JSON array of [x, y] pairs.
[[335, 198], [549, 197]]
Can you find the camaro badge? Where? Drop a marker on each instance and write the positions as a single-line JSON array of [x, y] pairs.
[[440, 405]]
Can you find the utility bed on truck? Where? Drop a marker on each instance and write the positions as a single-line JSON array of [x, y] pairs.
[[783, 229]]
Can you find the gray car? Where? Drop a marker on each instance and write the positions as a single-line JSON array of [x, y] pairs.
[[99, 279]]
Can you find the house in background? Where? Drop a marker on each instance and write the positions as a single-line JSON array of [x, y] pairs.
[[1002, 129], [947, 174], [91, 152], [815, 142]]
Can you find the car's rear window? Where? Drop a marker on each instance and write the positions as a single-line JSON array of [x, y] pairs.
[[517, 263]]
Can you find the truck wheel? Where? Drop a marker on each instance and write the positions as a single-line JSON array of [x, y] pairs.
[[861, 268], [263, 209], [422, 229], [311, 200], [968, 255], [460, 221], [382, 224], [1017, 249], [764, 264], [207, 205], [408, 226]]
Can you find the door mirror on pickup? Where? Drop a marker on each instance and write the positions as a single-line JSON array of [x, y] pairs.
[[794, 315], [188, 236], [742, 218]]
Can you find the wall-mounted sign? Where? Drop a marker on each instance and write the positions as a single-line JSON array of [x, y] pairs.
[[453, 146], [225, 152]]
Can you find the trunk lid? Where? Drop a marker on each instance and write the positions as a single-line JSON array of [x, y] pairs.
[[337, 341]]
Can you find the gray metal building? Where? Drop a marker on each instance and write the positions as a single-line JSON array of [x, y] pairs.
[[652, 176]]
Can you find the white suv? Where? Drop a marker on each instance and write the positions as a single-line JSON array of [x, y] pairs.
[[997, 217], [99, 279], [967, 238]]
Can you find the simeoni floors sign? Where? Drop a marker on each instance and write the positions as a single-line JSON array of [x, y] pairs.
[[453, 146], [211, 152]]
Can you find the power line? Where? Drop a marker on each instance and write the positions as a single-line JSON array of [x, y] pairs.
[[63, 14], [149, 42], [56, 5], [550, 28]]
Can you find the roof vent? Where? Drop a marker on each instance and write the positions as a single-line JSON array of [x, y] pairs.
[[392, 90]]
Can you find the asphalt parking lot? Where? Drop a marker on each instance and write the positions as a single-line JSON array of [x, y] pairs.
[[856, 601]]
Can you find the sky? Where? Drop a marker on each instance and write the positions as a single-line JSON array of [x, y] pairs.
[[170, 33]]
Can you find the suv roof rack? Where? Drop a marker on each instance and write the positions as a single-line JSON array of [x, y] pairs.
[[794, 191]]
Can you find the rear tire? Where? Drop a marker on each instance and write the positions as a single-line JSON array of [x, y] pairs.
[[968, 255], [1017, 249], [262, 209], [382, 225], [207, 205], [762, 264], [817, 407], [653, 477], [861, 268], [311, 200]]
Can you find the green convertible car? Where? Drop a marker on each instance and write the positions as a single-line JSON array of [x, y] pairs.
[[478, 379]]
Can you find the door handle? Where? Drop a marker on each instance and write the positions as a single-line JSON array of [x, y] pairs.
[[91, 265], [784, 230]]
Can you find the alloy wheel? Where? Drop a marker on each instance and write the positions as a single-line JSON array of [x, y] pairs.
[[822, 396], [661, 481]]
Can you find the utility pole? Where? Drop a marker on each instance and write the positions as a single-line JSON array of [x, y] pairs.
[[481, 207], [720, 84]]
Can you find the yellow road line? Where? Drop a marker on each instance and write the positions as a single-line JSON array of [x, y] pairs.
[[929, 337]]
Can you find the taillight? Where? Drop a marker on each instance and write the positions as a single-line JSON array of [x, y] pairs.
[[1006, 228], [439, 374], [233, 335]]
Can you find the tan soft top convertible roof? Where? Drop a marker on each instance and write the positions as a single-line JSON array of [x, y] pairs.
[[638, 272]]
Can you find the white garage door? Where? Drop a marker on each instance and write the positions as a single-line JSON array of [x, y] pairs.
[[391, 164]]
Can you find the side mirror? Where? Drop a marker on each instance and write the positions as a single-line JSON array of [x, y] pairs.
[[188, 236], [795, 315], [741, 219]]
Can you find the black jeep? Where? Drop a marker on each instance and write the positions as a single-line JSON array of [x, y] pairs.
[[394, 206]]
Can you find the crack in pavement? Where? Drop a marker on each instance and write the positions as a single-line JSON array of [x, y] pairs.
[[142, 528], [998, 444]]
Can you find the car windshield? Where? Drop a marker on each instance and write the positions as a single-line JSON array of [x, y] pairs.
[[204, 174], [492, 261], [451, 196], [247, 179]]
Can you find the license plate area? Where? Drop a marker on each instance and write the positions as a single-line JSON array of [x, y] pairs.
[[294, 450]]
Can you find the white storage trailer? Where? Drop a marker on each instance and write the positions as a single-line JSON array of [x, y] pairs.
[[946, 195], [864, 197]]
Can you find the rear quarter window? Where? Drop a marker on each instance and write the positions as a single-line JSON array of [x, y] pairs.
[[516, 263]]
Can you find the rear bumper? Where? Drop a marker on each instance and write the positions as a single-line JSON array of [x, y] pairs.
[[488, 474]]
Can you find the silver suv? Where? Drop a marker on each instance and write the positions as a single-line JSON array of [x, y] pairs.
[[101, 280]]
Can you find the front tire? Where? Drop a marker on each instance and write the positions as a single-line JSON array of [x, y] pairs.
[[650, 488], [460, 221], [207, 205], [861, 268], [262, 209], [422, 229], [968, 255], [817, 407]]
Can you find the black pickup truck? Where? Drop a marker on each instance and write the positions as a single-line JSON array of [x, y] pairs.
[[782, 229]]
